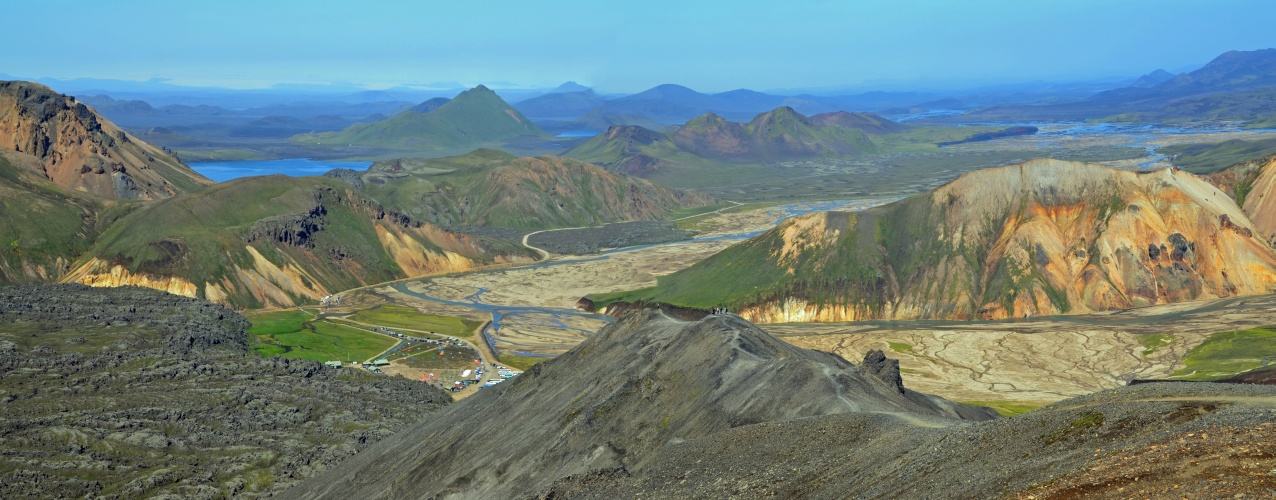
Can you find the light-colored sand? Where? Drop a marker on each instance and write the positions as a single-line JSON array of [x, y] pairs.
[[1042, 360]]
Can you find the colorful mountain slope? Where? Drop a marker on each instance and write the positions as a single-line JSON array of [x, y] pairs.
[[1044, 237], [77, 149]]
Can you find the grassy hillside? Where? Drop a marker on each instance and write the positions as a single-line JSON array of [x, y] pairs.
[[474, 118], [43, 228], [1212, 157], [492, 188], [278, 240]]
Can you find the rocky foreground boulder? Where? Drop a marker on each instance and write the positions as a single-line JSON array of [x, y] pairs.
[[131, 392], [616, 403]]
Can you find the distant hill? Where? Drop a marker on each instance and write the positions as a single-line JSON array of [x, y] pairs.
[[1044, 237], [1236, 85], [560, 105], [492, 188], [473, 118], [1212, 157], [1152, 79], [598, 120], [677, 103], [867, 122], [616, 403], [276, 241], [71, 145], [629, 149]]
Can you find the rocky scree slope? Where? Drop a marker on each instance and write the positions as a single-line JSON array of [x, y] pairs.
[[1044, 237], [1163, 440], [74, 147], [131, 392], [617, 401]]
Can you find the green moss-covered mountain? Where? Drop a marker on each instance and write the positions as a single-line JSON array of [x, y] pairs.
[[492, 188], [474, 118], [1044, 237]]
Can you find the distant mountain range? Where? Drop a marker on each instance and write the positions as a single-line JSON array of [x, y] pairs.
[[778, 135], [1237, 85], [1045, 237]]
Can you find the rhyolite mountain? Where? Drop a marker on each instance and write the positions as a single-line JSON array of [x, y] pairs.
[[493, 188], [277, 241], [473, 118], [72, 146], [618, 401], [1044, 237], [1253, 185]]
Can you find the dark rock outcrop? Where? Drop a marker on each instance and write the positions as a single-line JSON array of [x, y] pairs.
[[130, 392]]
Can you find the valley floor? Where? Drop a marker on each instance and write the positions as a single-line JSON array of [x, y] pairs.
[[1016, 364], [533, 314]]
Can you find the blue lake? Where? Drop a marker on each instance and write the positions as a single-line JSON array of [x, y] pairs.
[[578, 133], [222, 171]]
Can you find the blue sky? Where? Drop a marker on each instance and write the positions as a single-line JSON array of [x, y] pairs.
[[623, 46]]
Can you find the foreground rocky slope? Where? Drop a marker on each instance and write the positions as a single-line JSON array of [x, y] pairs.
[[131, 392], [1044, 237], [617, 401], [71, 145], [1164, 440]]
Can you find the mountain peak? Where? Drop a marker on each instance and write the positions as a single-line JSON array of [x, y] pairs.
[[569, 87]]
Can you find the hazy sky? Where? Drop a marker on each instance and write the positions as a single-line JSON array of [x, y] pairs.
[[621, 45]]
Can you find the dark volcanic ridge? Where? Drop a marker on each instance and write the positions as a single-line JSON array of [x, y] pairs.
[[130, 392], [618, 400]]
